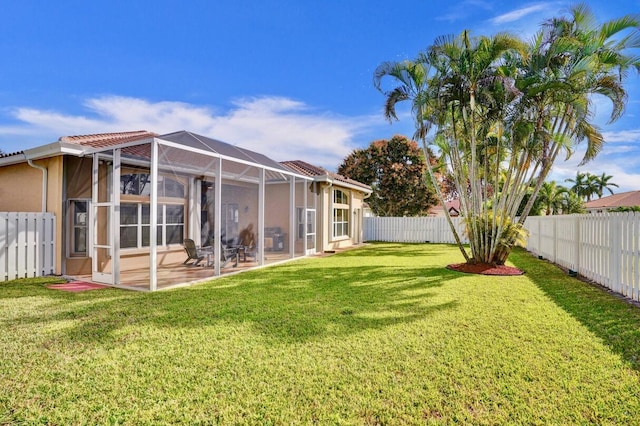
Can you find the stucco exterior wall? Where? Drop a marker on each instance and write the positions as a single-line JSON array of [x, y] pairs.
[[20, 188], [326, 241]]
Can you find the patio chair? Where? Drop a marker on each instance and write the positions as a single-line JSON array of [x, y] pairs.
[[193, 252], [227, 254], [251, 252]]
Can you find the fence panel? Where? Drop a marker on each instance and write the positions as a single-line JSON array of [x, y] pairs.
[[27, 245], [412, 229], [603, 247]]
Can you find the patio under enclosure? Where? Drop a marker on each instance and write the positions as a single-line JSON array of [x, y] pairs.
[[150, 195]]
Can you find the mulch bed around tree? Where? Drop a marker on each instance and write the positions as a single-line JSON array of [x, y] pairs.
[[485, 269]]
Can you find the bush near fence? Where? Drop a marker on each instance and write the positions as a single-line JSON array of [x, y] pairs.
[[603, 247]]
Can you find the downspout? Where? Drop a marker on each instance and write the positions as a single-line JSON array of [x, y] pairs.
[[329, 223], [45, 180]]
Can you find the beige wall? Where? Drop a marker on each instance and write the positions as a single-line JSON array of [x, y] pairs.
[[20, 188], [325, 218]]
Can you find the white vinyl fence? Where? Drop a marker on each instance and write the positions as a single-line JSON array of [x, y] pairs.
[[411, 229], [27, 245], [602, 247]]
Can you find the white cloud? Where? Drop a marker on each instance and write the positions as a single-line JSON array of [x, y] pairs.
[[631, 135], [281, 128], [517, 14], [620, 161]]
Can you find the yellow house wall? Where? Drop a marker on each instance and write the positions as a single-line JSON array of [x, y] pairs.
[[20, 188], [55, 202], [326, 242]]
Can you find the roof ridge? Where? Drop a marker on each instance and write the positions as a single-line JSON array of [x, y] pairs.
[[80, 139]]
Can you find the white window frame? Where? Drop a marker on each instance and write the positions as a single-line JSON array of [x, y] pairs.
[[162, 224], [340, 203], [72, 226]]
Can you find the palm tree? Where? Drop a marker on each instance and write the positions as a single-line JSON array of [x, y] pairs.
[[586, 185], [551, 197], [572, 59], [571, 203], [502, 114], [602, 183], [471, 89], [412, 84]]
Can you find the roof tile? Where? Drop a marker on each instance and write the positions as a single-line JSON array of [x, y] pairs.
[[307, 169]]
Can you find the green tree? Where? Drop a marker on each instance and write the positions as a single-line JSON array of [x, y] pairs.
[[602, 183], [501, 113], [586, 185], [551, 197], [571, 203], [582, 185], [396, 171], [626, 209]]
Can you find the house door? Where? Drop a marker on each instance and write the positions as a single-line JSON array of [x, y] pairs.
[[311, 232], [104, 255]]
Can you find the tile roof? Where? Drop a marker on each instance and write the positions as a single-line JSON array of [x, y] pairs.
[[307, 169], [453, 204], [100, 140], [623, 199]]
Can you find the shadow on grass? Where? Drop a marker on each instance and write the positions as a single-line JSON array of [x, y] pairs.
[[295, 302], [615, 321], [401, 250]]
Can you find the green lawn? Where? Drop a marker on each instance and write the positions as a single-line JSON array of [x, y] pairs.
[[379, 335]]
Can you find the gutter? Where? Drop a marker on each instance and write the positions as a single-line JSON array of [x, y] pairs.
[[45, 179]]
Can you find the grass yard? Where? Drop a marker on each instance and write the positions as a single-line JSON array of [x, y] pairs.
[[379, 335]]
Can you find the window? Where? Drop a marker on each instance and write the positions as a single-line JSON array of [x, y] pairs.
[[79, 229], [340, 197], [135, 225], [140, 184], [340, 214], [300, 223]]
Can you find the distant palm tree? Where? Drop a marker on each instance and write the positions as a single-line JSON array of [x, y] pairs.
[[551, 197], [584, 185], [602, 183]]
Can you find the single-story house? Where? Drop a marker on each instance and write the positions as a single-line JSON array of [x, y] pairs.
[[604, 204], [125, 202]]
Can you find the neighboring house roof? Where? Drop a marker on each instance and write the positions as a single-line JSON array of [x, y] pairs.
[[306, 169], [453, 207], [623, 199]]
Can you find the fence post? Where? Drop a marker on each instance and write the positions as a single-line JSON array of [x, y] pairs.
[[576, 229], [614, 251]]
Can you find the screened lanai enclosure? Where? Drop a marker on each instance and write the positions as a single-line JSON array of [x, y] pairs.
[[150, 197]]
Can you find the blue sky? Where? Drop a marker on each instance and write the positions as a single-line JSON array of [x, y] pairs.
[[288, 78]]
